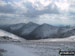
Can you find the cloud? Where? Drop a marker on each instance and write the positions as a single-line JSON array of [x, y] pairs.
[[7, 9], [40, 11], [12, 7], [56, 20], [2, 3], [12, 19], [33, 12], [34, 8], [40, 4], [37, 7]]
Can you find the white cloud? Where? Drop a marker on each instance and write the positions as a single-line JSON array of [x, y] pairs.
[[7, 14], [64, 6], [40, 4], [55, 19], [19, 6], [2, 3], [72, 7]]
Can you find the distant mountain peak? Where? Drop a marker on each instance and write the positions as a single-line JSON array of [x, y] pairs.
[[46, 25], [32, 23]]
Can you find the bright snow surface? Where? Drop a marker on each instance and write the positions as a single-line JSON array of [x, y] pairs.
[[70, 39], [13, 36], [15, 50]]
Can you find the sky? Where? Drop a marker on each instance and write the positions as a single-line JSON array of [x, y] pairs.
[[56, 12]]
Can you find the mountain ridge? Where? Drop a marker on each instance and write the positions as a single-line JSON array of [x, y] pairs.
[[35, 31]]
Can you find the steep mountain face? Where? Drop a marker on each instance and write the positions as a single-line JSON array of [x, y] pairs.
[[23, 29], [62, 30], [28, 28], [44, 31], [5, 27], [16, 28], [35, 31], [20, 29], [13, 28], [69, 33], [66, 31]]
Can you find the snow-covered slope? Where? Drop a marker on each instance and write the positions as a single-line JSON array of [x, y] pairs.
[[69, 33], [70, 39], [5, 33], [16, 50]]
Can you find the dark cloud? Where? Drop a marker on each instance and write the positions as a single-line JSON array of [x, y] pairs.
[[7, 9], [3, 17], [72, 13], [32, 12]]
